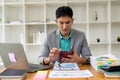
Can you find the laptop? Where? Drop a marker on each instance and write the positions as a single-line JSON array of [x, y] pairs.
[[13, 57]]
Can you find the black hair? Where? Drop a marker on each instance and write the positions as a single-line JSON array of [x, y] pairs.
[[64, 11]]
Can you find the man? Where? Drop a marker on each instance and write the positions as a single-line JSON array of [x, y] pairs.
[[63, 39]]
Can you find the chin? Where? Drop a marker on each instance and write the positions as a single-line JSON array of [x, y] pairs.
[[65, 32]]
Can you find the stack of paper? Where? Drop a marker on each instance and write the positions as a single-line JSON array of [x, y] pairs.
[[103, 60]]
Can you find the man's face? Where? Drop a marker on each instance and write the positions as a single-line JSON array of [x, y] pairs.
[[64, 24]]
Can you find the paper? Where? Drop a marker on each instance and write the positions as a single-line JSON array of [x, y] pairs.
[[65, 66], [70, 74], [12, 57], [40, 75], [104, 60]]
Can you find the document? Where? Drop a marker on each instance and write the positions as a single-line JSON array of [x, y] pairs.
[[66, 66], [68, 70], [70, 74]]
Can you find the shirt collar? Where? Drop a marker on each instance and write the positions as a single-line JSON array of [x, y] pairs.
[[61, 37]]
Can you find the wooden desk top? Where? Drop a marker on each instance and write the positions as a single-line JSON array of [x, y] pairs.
[[96, 75]]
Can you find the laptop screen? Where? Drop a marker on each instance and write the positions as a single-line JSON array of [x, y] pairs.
[[13, 56]]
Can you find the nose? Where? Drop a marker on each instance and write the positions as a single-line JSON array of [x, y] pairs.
[[64, 25]]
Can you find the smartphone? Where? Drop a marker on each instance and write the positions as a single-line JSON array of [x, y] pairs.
[[64, 54]]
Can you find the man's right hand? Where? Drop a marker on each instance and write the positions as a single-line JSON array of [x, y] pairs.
[[54, 54]]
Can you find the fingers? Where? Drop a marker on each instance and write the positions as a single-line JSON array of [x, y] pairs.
[[59, 50], [54, 53], [70, 56], [67, 60], [53, 50]]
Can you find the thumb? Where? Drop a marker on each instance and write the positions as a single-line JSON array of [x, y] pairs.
[[74, 51], [59, 50]]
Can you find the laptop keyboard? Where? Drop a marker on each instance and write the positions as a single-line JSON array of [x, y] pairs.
[[37, 67]]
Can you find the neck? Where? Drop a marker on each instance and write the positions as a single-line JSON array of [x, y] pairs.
[[66, 35]]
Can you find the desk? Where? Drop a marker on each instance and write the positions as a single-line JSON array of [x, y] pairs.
[[97, 75]]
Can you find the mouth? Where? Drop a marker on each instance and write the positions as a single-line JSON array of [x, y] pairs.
[[65, 30]]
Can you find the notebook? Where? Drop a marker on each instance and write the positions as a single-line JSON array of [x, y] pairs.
[[13, 57], [111, 74], [12, 73]]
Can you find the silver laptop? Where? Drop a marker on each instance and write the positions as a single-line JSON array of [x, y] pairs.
[[13, 57]]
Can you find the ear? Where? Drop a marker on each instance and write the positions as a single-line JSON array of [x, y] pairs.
[[72, 20], [56, 21]]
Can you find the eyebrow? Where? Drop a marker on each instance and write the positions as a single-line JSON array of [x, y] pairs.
[[64, 22]]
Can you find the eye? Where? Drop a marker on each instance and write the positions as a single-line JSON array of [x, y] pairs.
[[68, 22], [61, 22]]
